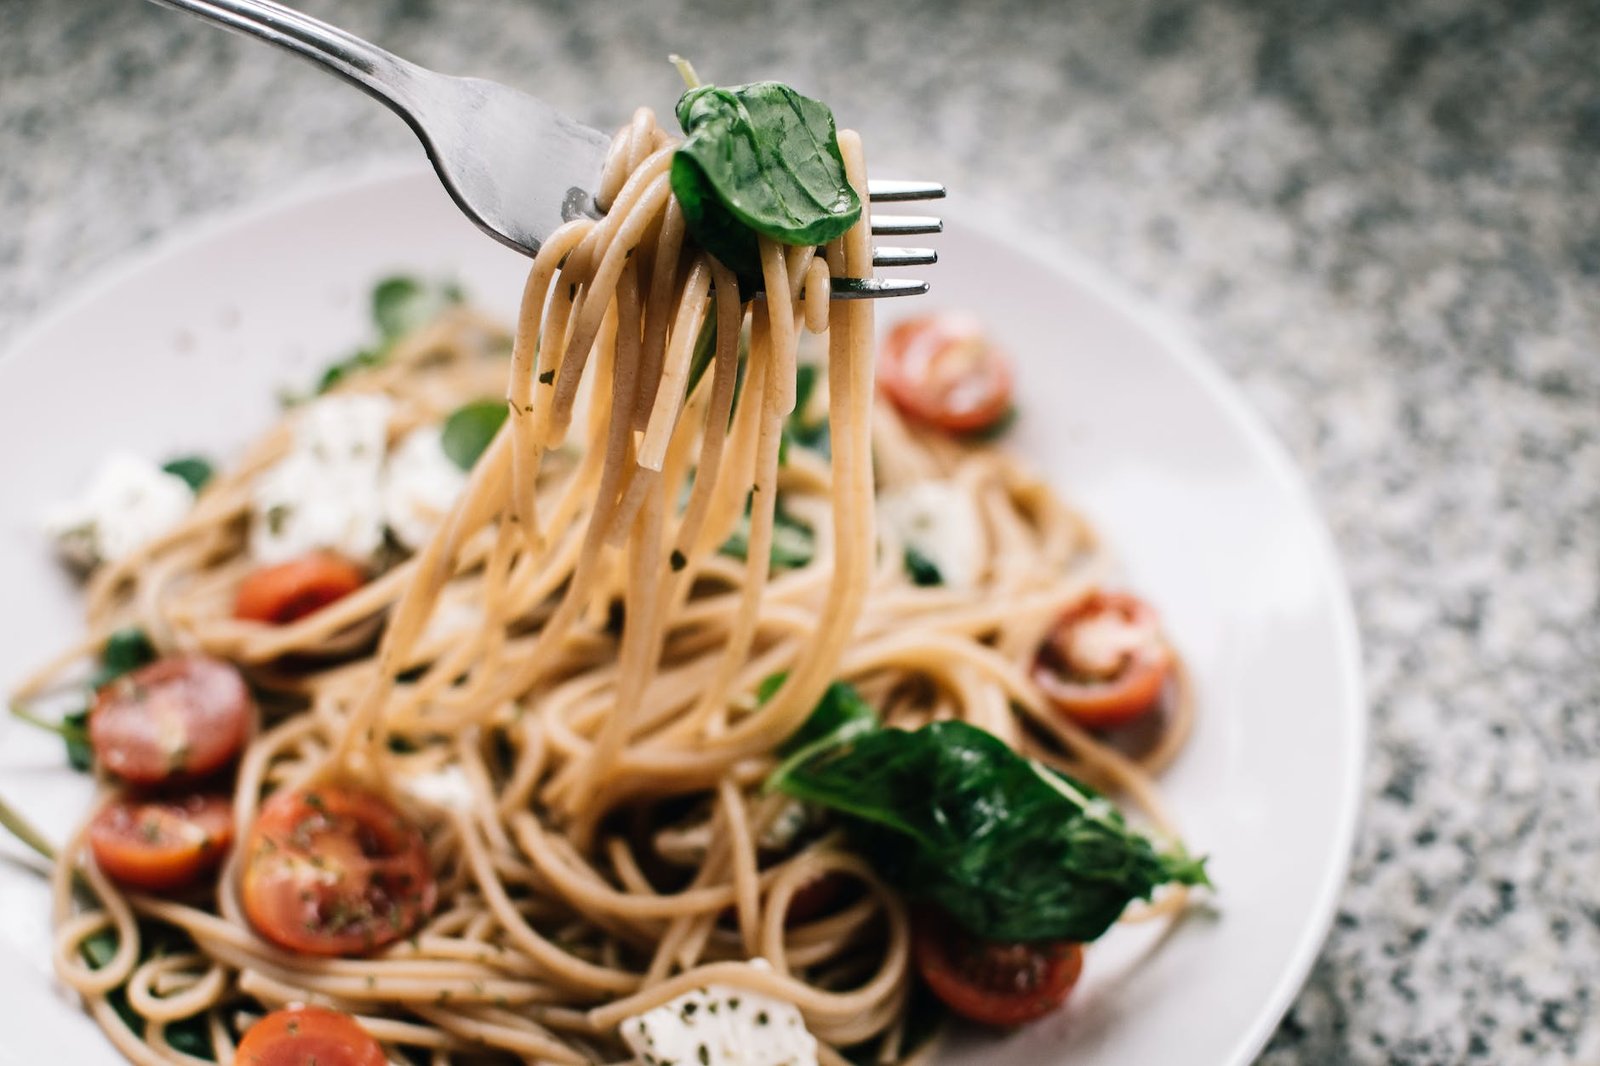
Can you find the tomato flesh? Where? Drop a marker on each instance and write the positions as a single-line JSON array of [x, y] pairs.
[[162, 845], [941, 370], [1105, 663], [335, 870], [993, 983], [176, 719], [287, 592], [308, 1036]]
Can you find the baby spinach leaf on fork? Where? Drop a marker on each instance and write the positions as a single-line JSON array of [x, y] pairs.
[[759, 159]]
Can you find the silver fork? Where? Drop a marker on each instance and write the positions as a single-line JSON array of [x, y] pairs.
[[514, 164]]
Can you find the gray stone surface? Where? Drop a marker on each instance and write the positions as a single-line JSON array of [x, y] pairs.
[[1382, 219]]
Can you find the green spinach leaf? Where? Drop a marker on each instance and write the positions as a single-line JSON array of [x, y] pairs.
[[195, 470], [1010, 849], [793, 542], [800, 429], [759, 159], [125, 651], [470, 428], [838, 717], [75, 732], [73, 729], [401, 304]]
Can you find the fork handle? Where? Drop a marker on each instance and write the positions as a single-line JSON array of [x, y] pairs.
[[379, 73]]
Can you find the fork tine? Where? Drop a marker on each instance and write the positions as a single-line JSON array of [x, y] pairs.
[[905, 225], [876, 288], [889, 191], [904, 257]]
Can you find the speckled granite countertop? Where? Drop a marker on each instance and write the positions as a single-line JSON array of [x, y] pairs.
[[1383, 220]]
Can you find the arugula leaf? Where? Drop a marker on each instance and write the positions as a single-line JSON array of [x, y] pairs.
[[470, 428], [125, 651], [759, 159], [923, 570], [194, 469], [793, 542], [1010, 849]]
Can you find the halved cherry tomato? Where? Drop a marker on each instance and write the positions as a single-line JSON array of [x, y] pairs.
[[289, 591], [942, 370], [162, 845], [994, 983], [308, 1036], [175, 720], [335, 870], [1105, 662]]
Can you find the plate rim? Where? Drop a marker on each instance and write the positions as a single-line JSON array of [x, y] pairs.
[[1053, 252]]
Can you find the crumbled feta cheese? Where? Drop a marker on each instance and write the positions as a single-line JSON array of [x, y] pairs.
[[420, 485], [326, 493], [445, 787], [939, 521], [721, 1026], [129, 502]]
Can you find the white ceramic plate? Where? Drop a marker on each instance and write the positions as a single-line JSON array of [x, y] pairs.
[[185, 349]]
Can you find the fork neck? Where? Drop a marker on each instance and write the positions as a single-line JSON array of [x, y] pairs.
[[370, 68]]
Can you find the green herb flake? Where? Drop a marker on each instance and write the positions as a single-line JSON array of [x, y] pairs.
[[922, 570]]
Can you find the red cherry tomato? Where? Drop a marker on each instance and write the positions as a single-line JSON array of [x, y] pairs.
[[308, 1036], [174, 720], [994, 983], [940, 369], [162, 845], [1105, 662], [289, 591], [335, 870]]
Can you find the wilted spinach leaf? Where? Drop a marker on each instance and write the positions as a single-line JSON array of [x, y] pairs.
[[759, 159], [194, 469], [470, 428], [1010, 849]]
